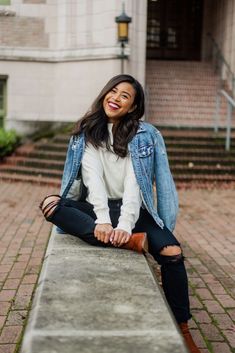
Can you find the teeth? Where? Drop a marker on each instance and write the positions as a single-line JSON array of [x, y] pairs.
[[113, 105]]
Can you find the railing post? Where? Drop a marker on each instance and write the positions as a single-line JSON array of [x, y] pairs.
[[233, 84], [228, 132], [217, 112]]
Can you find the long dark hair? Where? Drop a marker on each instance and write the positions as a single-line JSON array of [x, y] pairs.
[[94, 122]]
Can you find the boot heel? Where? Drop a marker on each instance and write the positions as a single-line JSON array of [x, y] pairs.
[[145, 245]]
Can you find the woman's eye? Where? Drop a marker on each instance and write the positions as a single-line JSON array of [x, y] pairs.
[[124, 96]]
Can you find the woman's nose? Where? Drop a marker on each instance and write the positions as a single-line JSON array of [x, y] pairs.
[[116, 96]]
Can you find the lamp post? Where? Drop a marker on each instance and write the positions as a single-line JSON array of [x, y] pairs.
[[123, 22]]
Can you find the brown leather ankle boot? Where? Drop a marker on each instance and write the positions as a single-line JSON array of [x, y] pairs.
[[188, 338], [138, 242]]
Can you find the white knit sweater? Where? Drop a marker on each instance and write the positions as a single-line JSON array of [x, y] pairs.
[[108, 176]]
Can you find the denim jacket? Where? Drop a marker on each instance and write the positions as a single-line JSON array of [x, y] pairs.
[[150, 163]]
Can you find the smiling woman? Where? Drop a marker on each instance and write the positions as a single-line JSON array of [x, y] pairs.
[[118, 157], [119, 101]]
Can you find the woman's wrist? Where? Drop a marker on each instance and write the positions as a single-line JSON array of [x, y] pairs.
[[126, 226]]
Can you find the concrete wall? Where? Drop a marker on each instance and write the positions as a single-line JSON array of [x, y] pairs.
[[59, 54]]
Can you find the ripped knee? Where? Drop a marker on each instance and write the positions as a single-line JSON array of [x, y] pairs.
[[171, 255], [49, 204], [171, 250]]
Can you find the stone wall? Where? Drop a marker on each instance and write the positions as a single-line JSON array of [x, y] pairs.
[[34, 1], [57, 55], [23, 32]]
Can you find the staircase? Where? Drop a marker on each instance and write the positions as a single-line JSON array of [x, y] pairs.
[[41, 162], [182, 94], [196, 156], [181, 97]]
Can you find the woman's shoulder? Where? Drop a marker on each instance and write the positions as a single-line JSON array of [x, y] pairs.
[[148, 127]]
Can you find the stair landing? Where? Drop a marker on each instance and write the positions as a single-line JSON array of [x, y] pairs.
[[183, 94]]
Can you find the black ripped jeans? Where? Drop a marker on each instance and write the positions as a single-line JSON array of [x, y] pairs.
[[78, 218]]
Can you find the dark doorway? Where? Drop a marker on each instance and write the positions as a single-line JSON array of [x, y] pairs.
[[174, 29], [3, 85]]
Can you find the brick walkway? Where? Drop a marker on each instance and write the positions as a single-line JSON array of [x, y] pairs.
[[23, 239], [205, 227]]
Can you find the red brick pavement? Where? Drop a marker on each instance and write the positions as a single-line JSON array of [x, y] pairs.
[[205, 228], [23, 240]]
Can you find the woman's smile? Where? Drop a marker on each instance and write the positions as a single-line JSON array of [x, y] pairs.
[[113, 106], [119, 101]]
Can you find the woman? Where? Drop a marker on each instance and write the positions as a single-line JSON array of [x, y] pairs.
[[115, 158]]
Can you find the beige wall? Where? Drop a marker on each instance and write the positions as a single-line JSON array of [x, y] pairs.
[[57, 63], [48, 92]]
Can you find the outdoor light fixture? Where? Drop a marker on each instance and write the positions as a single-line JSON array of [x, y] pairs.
[[123, 22]]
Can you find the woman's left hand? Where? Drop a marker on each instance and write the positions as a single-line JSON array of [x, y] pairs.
[[119, 237]]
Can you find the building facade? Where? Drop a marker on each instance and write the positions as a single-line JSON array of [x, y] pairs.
[[56, 55]]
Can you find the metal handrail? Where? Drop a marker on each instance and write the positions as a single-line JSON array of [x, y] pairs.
[[222, 66], [230, 106]]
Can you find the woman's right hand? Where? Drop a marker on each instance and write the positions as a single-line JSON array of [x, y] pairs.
[[103, 232]]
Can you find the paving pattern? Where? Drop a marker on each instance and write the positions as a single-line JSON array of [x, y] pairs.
[[205, 227], [23, 240]]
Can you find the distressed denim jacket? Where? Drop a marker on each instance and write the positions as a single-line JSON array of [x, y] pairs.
[[150, 163]]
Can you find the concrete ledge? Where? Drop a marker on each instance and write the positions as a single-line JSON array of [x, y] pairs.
[[92, 299]]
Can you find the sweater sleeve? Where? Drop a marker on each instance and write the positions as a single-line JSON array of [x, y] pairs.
[[92, 174], [131, 201]]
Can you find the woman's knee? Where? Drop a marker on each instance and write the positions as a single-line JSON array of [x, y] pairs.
[[171, 250], [49, 204], [171, 255]]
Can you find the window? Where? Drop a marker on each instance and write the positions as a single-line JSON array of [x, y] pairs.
[[3, 86], [5, 2]]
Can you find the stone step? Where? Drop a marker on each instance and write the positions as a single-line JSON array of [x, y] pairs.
[[64, 139], [171, 68], [180, 86], [173, 102], [43, 154], [181, 95], [181, 151], [192, 152], [160, 74], [196, 134], [30, 179], [203, 169], [186, 121], [59, 147], [181, 112], [48, 173], [202, 160], [212, 144], [35, 162], [203, 178]]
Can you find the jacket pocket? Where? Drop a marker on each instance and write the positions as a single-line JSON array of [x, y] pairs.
[[145, 151]]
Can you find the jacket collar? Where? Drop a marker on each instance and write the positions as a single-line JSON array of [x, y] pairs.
[[141, 128]]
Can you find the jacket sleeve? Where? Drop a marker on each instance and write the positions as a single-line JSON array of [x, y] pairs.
[[67, 166], [167, 198]]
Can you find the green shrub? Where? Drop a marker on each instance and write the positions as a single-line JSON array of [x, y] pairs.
[[8, 141]]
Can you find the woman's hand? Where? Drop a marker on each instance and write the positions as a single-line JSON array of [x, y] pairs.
[[103, 232], [119, 237]]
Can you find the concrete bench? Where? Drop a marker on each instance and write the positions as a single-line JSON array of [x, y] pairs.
[[98, 300]]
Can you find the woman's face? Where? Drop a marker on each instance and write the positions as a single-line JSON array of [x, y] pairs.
[[119, 101]]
